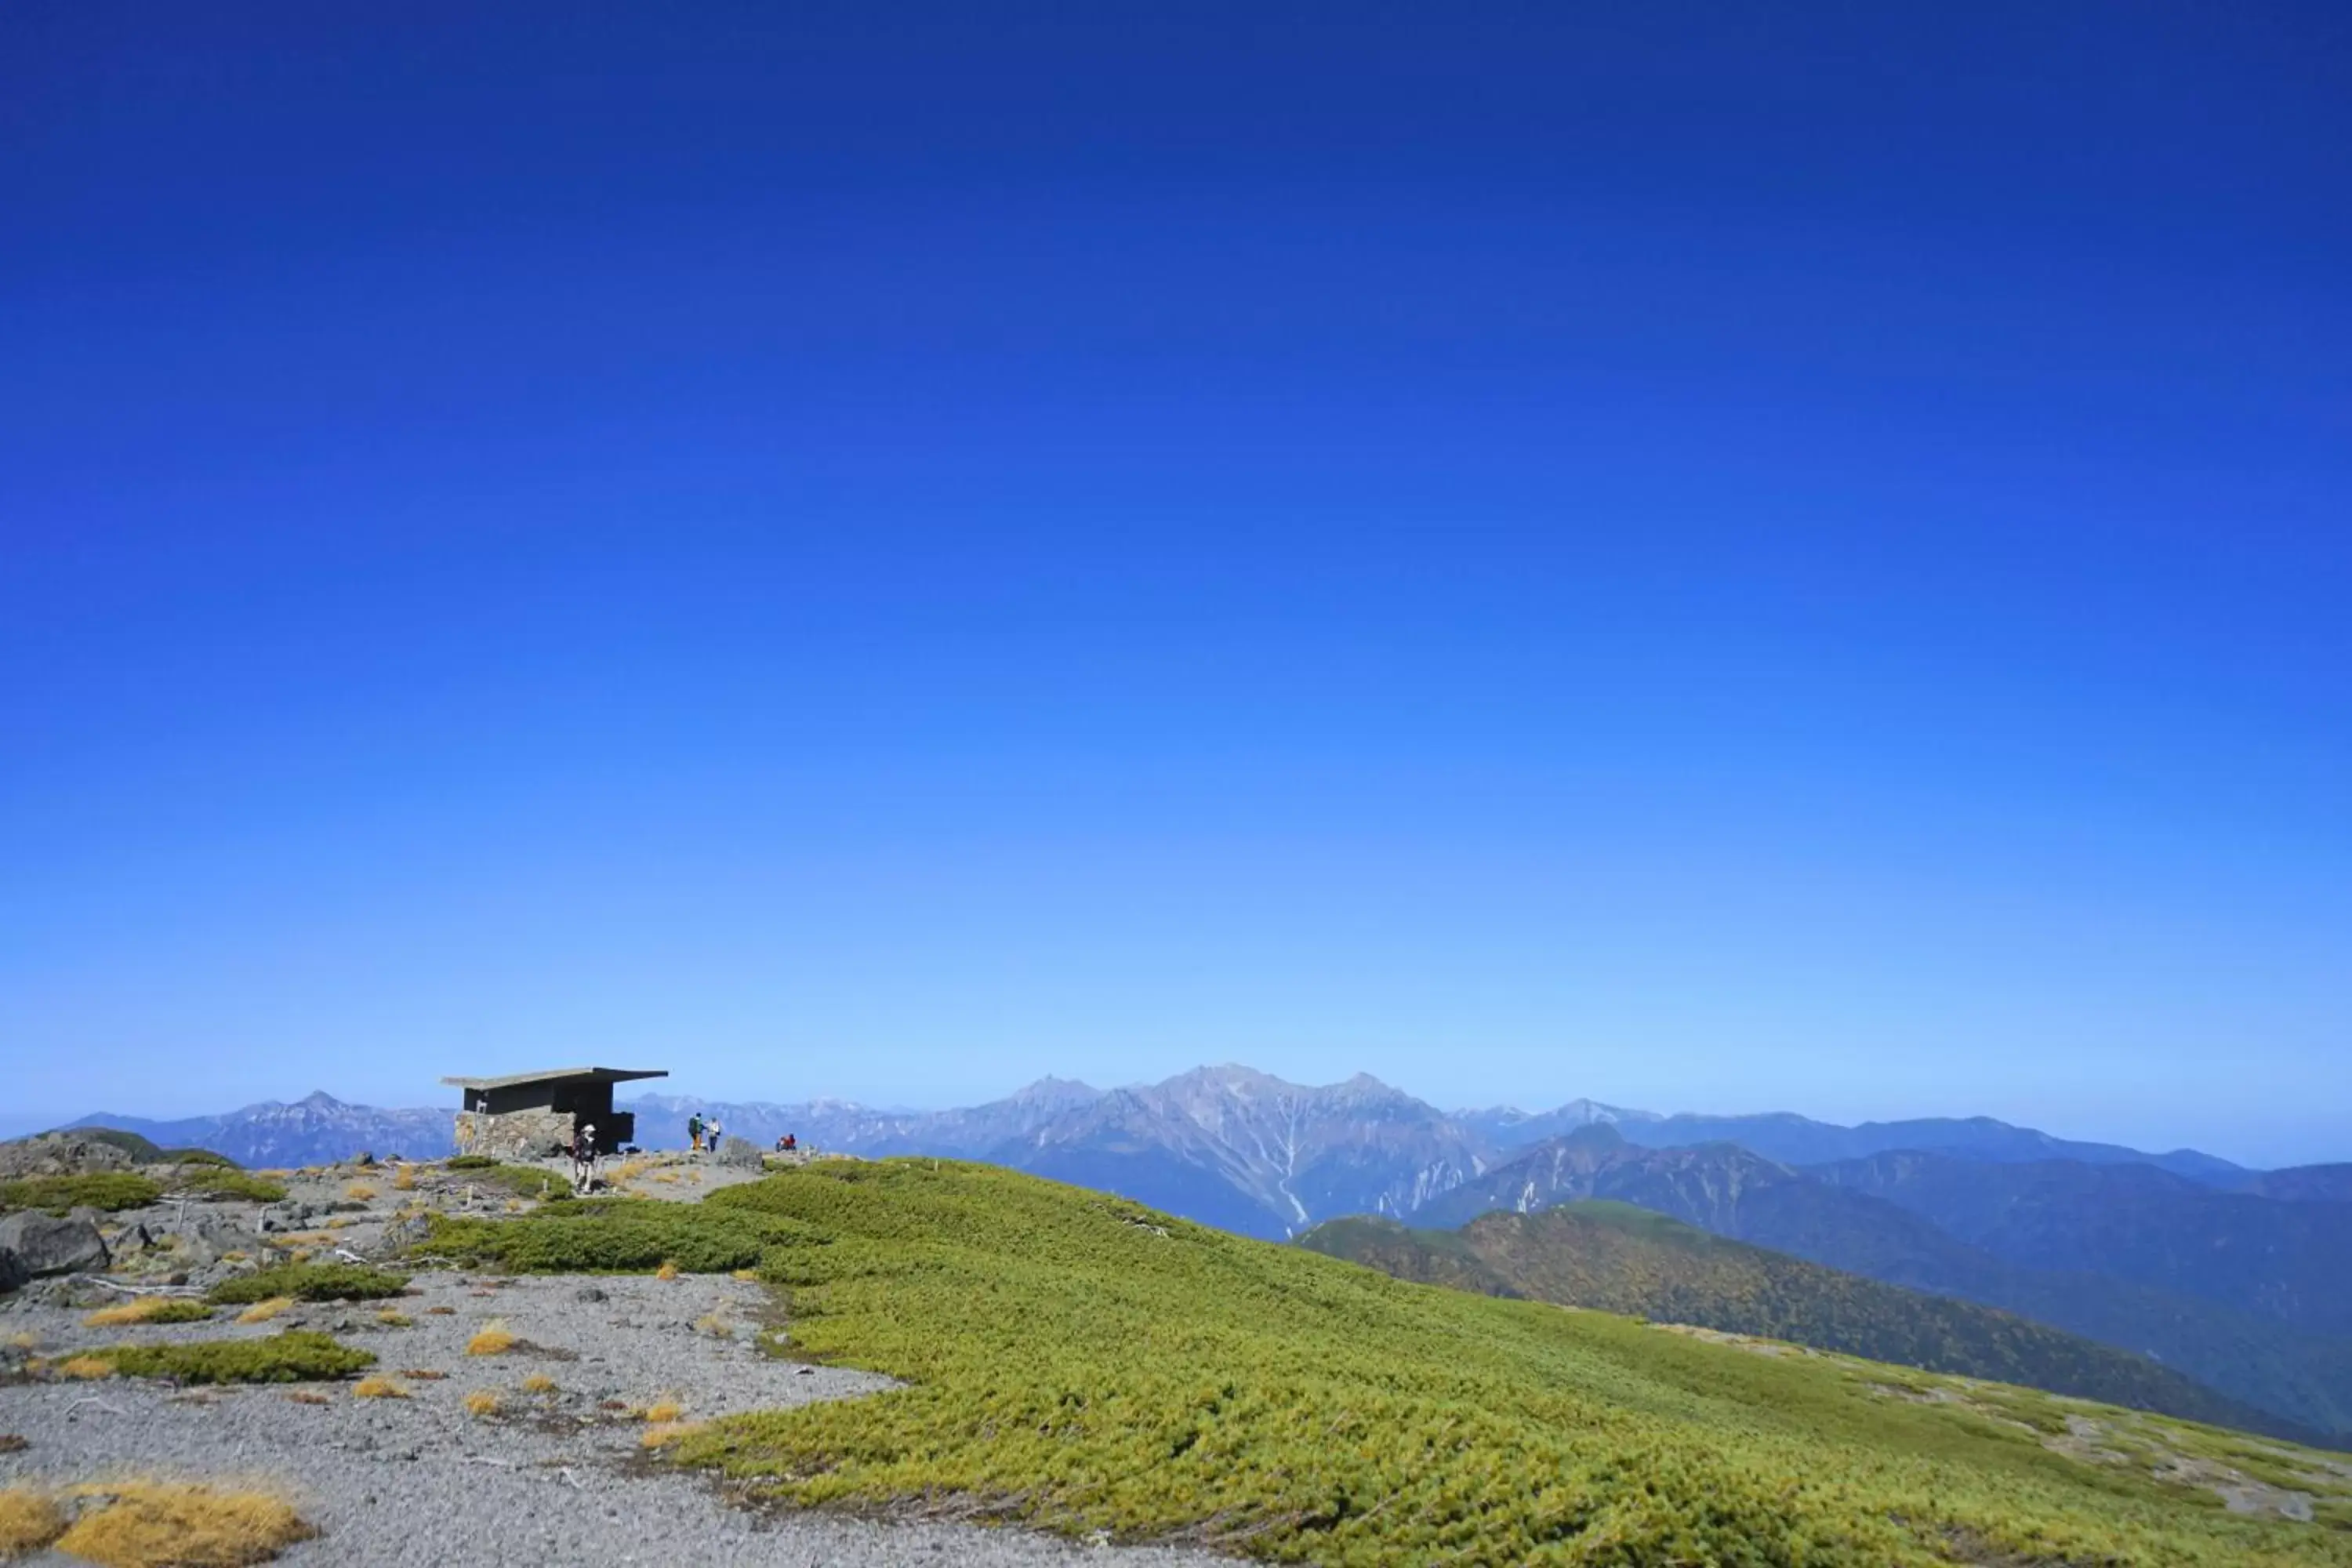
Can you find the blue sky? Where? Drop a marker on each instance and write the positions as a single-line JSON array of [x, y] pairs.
[[1712, 557]]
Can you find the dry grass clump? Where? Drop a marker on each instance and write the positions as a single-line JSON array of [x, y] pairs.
[[392, 1319], [746, 1275], [491, 1340], [28, 1521], [661, 1434], [405, 1179], [440, 1312], [359, 1191], [539, 1382], [378, 1388], [160, 1524], [262, 1312], [664, 1411], [88, 1368], [23, 1340], [309, 1397], [668, 1270], [481, 1402], [149, 1309], [422, 1374]]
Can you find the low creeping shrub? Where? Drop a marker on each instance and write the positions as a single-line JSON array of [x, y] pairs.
[[1076, 1362], [111, 1191], [310, 1283], [294, 1356], [228, 1182], [149, 1309], [617, 1235]]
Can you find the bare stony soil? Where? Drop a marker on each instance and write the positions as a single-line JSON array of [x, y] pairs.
[[555, 1471]]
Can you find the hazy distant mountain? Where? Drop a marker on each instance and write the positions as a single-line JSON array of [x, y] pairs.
[[2290, 1261], [2303, 1185], [1799, 1140], [317, 1130], [1505, 1127], [1733, 1191], [1615, 1258]]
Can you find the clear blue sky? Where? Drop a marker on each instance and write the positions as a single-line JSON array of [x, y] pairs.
[[1711, 556]]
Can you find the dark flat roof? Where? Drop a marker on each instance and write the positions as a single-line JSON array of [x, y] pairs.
[[555, 1075]]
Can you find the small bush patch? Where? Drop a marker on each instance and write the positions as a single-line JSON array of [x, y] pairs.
[[110, 1189], [310, 1283], [148, 1524], [294, 1356], [228, 1182], [471, 1162], [618, 1235], [28, 1521], [149, 1309]]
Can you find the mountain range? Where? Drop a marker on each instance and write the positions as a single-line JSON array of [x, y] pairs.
[[2242, 1292], [1615, 1258], [2240, 1278]]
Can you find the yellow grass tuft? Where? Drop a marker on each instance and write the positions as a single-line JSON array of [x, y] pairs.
[[665, 1410], [481, 1402], [309, 1397], [28, 1521], [87, 1367], [378, 1388], [156, 1524], [440, 1312], [747, 1275], [405, 1179], [539, 1382], [133, 1312], [392, 1319], [492, 1340], [359, 1191], [664, 1432], [299, 1255], [422, 1374], [667, 1178], [24, 1339], [262, 1312], [668, 1270], [515, 1205]]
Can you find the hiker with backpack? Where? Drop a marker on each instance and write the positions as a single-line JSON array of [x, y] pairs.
[[694, 1132]]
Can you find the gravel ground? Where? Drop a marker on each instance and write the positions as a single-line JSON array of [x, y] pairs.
[[421, 1483]]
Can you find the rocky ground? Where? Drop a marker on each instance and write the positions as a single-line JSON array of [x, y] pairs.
[[556, 1472]]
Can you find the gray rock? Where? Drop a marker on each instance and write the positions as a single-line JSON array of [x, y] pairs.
[[734, 1150], [207, 1239], [42, 1245], [590, 1293], [60, 1155]]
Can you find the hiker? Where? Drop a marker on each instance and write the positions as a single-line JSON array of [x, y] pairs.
[[791, 1141], [583, 1159], [694, 1132], [710, 1133]]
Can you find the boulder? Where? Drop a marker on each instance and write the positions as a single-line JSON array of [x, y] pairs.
[[36, 1244], [734, 1150], [60, 1155]]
